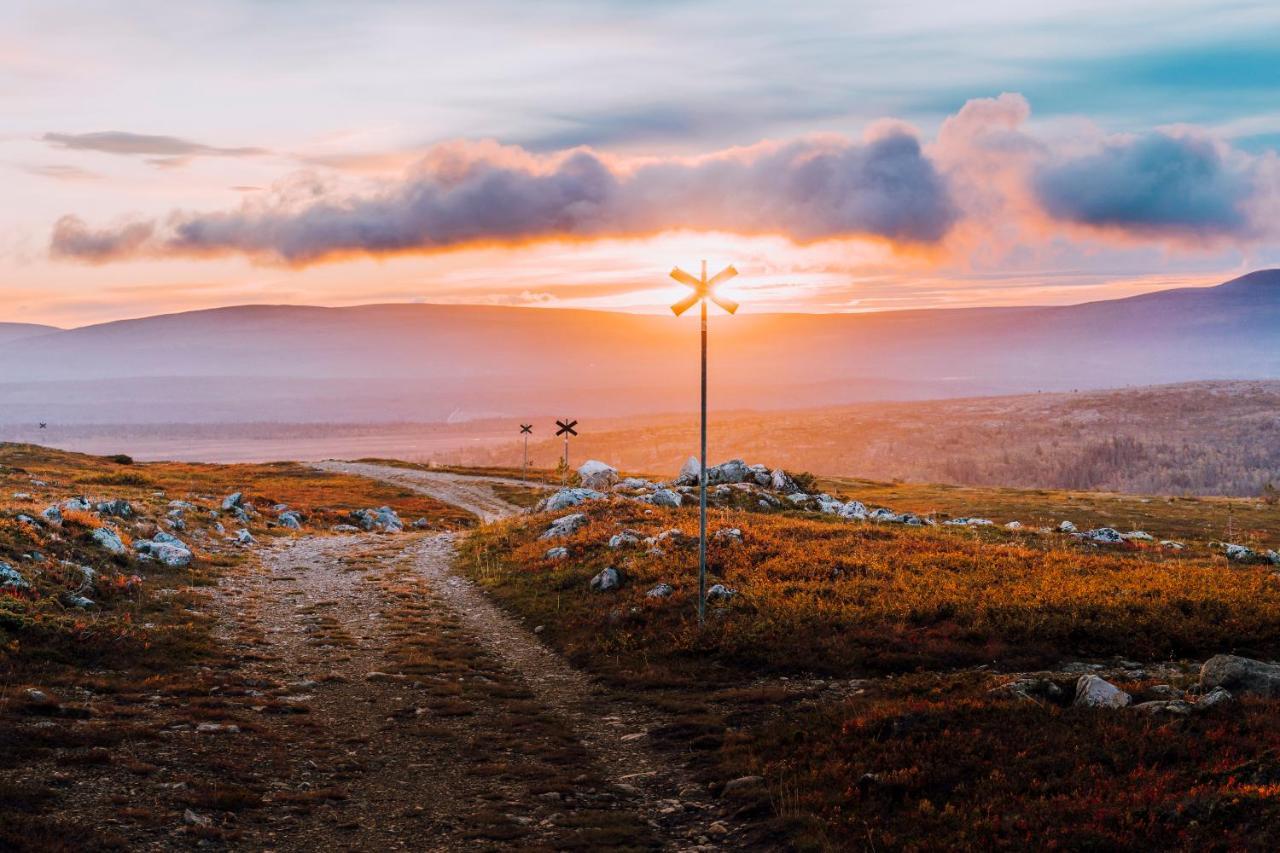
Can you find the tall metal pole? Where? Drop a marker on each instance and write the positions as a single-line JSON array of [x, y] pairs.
[[524, 466], [702, 471]]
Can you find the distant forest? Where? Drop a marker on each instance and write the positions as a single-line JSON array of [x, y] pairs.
[[1218, 438]]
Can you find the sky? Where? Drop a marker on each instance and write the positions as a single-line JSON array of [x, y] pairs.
[[159, 156]]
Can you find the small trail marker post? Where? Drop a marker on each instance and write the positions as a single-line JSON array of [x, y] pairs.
[[703, 289], [525, 430], [566, 428], [43, 425]]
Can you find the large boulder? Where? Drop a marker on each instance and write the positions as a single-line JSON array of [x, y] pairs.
[[387, 521], [780, 481], [290, 519], [667, 498], [733, 471], [165, 548], [1105, 535], [1095, 692], [566, 498], [597, 475], [1241, 675], [233, 500]]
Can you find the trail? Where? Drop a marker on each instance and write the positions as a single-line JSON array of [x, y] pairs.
[[474, 494]]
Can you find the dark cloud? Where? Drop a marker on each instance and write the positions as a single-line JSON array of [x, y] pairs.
[[73, 239], [808, 190], [167, 148], [1152, 184]]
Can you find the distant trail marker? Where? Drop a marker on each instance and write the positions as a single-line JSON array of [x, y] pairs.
[[566, 428], [43, 425], [525, 430], [703, 289]]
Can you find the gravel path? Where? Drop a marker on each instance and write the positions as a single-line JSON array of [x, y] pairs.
[[471, 493]]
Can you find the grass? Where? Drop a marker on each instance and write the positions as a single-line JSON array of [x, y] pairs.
[[925, 756]]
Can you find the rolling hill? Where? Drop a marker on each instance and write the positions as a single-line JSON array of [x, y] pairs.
[[430, 362]]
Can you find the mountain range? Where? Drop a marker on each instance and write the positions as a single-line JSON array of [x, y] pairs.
[[396, 362]]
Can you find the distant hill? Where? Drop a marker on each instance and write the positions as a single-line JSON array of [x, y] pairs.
[[1195, 438], [431, 362], [10, 332]]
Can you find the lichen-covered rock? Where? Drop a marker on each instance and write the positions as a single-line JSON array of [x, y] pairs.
[[662, 590], [109, 539], [565, 525], [1105, 535], [566, 498], [11, 578], [720, 592], [119, 508], [233, 500], [607, 580], [597, 475], [667, 498], [1095, 692], [1241, 675], [624, 539]]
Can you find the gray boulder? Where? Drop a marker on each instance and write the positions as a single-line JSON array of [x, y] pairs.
[[720, 592], [559, 552], [78, 504], [290, 519], [11, 578], [733, 471], [667, 498], [597, 475], [780, 481], [53, 515], [883, 514], [566, 498], [79, 601], [1241, 675], [109, 539], [565, 525], [1239, 553], [728, 536], [1173, 707], [244, 537], [233, 500], [120, 508], [853, 510], [1216, 696], [1138, 536], [624, 539], [387, 521], [607, 580], [688, 475], [1095, 692], [165, 548], [1105, 535], [1066, 527], [662, 590]]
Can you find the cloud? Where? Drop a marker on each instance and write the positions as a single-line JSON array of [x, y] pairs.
[[1156, 183], [73, 239], [466, 193], [167, 150], [61, 172]]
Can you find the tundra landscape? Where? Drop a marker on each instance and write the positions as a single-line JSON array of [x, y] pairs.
[[611, 426]]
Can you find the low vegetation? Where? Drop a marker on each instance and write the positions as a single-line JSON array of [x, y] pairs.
[[854, 668]]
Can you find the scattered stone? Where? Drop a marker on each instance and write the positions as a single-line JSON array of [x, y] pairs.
[[120, 508], [1013, 525], [1105, 535], [720, 592], [565, 525], [217, 728], [597, 475], [53, 515], [667, 498], [1216, 696], [1176, 707], [662, 590], [728, 535], [79, 601], [421, 524], [109, 539], [233, 501], [387, 521], [244, 537], [337, 528], [742, 783], [166, 548], [1169, 543], [782, 482], [1239, 553], [624, 539], [1066, 527], [1032, 689], [566, 498], [1138, 536], [1241, 675], [1095, 692], [689, 471], [608, 579], [192, 819], [291, 519], [557, 553], [11, 578], [853, 510]]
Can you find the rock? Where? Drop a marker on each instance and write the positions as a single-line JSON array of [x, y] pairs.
[[557, 553], [1066, 527], [1169, 543], [192, 819], [728, 535], [829, 505], [1216, 696], [109, 539], [688, 475], [1137, 536], [1241, 675], [780, 481], [1013, 525], [244, 537], [119, 508], [566, 498], [970, 522], [597, 475], [853, 510], [11, 578], [1095, 692], [1033, 689], [290, 519], [720, 592], [421, 524], [337, 528], [166, 548], [1105, 535], [38, 697], [624, 539], [667, 498], [53, 515], [742, 783], [79, 601], [1239, 553], [634, 483], [662, 590], [1176, 707], [217, 728], [608, 579], [1165, 691], [733, 471], [883, 514], [387, 521], [232, 501], [76, 504], [565, 525]]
